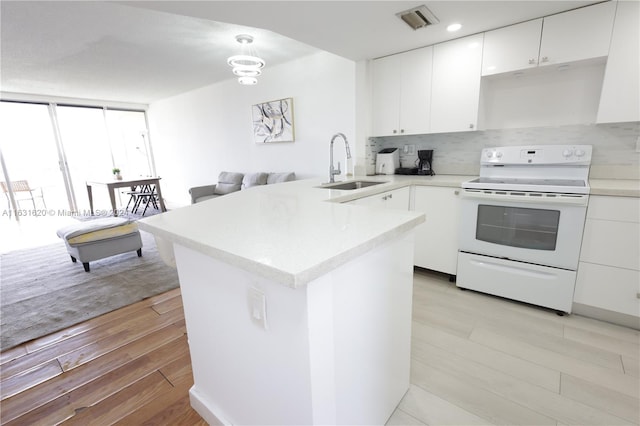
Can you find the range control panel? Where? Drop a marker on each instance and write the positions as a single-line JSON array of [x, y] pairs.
[[537, 154]]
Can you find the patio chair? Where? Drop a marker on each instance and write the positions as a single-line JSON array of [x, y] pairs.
[[21, 192]]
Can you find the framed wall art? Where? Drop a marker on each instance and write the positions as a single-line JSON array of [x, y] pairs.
[[273, 121]]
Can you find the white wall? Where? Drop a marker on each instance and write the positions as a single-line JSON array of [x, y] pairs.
[[198, 134]]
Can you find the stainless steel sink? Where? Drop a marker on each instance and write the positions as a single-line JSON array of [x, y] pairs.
[[354, 184]]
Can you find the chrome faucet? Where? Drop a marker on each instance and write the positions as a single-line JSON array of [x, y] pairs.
[[332, 170]]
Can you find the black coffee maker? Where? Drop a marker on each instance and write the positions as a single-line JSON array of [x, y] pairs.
[[425, 162]]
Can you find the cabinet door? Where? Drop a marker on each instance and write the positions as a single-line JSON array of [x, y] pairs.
[[386, 95], [611, 232], [455, 91], [619, 209], [396, 199], [511, 48], [577, 34], [606, 287], [436, 240], [608, 242], [415, 91], [620, 99], [402, 93]]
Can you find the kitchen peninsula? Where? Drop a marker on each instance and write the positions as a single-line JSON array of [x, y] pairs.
[[298, 309]]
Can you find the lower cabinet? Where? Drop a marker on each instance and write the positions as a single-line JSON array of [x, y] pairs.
[[436, 239], [396, 199], [609, 269]]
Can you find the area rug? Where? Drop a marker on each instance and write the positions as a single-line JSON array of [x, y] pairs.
[[42, 291]]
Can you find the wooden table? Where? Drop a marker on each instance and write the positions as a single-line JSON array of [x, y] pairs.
[[113, 184]]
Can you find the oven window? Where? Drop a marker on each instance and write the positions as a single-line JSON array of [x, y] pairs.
[[535, 229]]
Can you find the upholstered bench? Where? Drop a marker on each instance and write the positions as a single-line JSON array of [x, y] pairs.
[[100, 238]]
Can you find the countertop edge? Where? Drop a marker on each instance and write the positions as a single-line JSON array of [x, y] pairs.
[[615, 187], [290, 279]]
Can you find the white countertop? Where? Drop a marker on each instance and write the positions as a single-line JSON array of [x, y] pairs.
[[295, 232], [615, 187], [291, 232]]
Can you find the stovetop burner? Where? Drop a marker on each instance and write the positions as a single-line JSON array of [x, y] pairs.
[[535, 168]]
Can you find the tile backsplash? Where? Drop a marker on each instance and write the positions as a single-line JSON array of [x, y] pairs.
[[615, 147]]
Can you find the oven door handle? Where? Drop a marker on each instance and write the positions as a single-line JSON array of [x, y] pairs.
[[513, 268], [563, 199]]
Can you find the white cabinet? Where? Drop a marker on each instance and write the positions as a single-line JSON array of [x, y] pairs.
[[577, 34], [436, 240], [620, 98], [512, 48], [402, 93], [609, 269], [396, 199], [455, 91], [571, 36]]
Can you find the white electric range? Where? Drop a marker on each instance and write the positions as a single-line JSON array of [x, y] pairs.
[[522, 221]]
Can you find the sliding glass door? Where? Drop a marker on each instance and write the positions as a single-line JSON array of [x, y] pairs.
[[51, 150], [129, 144], [32, 161], [86, 146]]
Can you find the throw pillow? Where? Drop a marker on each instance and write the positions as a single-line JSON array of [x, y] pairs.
[[280, 177], [254, 179], [228, 182]]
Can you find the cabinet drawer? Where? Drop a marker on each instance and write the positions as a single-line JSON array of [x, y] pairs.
[[611, 243], [624, 209], [436, 240], [396, 199], [608, 288]]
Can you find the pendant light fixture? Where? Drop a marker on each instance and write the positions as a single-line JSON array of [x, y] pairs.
[[246, 66]]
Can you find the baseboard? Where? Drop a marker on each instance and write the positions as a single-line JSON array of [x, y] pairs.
[[206, 411], [606, 315]]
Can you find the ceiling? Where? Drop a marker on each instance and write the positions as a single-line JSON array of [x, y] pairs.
[[142, 51]]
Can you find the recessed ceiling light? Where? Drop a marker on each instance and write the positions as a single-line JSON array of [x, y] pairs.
[[454, 27]]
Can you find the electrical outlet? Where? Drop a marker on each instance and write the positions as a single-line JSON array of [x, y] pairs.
[[405, 149], [258, 307], [638, 144]]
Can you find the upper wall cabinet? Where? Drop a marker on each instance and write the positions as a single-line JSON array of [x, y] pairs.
[[566, 37], [402, 93], [456, 84], [578, 34], [512, 48], [620, 99]]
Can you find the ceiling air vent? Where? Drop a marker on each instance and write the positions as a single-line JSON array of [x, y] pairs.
[[418, 17]]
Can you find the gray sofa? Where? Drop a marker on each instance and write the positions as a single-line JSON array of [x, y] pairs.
[[229, 182]]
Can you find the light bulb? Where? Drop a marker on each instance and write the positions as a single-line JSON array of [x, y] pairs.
[[248, 81]]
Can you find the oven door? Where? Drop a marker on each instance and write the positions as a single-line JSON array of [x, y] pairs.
[[541, 228]]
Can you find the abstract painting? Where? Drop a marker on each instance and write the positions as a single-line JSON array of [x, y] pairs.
[[273, 121]]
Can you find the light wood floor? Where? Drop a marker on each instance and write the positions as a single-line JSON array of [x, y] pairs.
[[129, 367], [476, 359]]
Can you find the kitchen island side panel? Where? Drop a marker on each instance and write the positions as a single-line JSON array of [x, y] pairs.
[[372, 322], [336, 351], [243, 373]]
